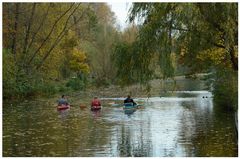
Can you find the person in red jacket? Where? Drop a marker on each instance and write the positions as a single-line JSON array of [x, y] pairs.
[[96, 104]]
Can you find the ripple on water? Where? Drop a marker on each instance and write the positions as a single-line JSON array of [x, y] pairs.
[[168, 126]]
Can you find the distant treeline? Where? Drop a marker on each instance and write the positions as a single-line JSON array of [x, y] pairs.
[[59, 47]]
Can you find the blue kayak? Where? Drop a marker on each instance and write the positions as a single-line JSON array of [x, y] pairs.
[[129, 111], [129, 106]]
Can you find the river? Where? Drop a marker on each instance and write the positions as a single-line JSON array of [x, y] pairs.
[[183, 123]]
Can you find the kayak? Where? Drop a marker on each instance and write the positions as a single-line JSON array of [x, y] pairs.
[[129, 106], [96, 108], [129, 111], [62, 107]]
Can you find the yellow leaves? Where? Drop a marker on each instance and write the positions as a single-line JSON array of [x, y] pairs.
[[84, 68], [78, 62], [79, 66], [79, 56], [173, 58], [183, 51], [216, 55], [236, 51]]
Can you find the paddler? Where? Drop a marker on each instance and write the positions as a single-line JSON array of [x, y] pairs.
[[63, 101]]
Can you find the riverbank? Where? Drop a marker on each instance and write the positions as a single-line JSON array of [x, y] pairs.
[[158, 87]]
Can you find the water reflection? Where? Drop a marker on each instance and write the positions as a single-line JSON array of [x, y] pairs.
[[134, 140], [185, 124], [129, 112], [96, 113], [63, 114]]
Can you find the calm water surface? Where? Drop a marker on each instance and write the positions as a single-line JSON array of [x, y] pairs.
[[184, 124]]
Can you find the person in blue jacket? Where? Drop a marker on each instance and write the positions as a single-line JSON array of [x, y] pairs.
[[63, 101]]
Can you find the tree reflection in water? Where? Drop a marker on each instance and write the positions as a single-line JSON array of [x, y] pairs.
[[205, 131], [134, 139], [168, 126]]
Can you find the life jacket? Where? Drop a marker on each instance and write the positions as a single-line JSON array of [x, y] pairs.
[[128, 100], [96, 103]]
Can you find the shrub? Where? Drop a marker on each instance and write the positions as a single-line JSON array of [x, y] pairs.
[[225, 89], [76, 84]]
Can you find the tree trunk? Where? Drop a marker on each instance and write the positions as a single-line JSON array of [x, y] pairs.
[[39, 27], [14, 35], [234, 59], [26, 40], [28, 29]]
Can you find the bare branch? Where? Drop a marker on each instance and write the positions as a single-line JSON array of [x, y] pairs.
[[49, 34], [219, 45], [39, 27], [14, 36], [234, 59], [59, 38], [28, 28]]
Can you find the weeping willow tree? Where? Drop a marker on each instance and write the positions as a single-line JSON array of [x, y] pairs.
[[152, 48], [203, 36], [133, 63], [188, 29]]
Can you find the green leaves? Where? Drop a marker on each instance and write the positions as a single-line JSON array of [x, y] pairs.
[[123, 61], [132, 64], [170, 27], [41, 37], [201, 36]]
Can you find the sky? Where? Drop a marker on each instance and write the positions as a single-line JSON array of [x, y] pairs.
[[121, 12]]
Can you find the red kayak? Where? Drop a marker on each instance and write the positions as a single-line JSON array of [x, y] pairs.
[[62, 107], [93, 108]]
